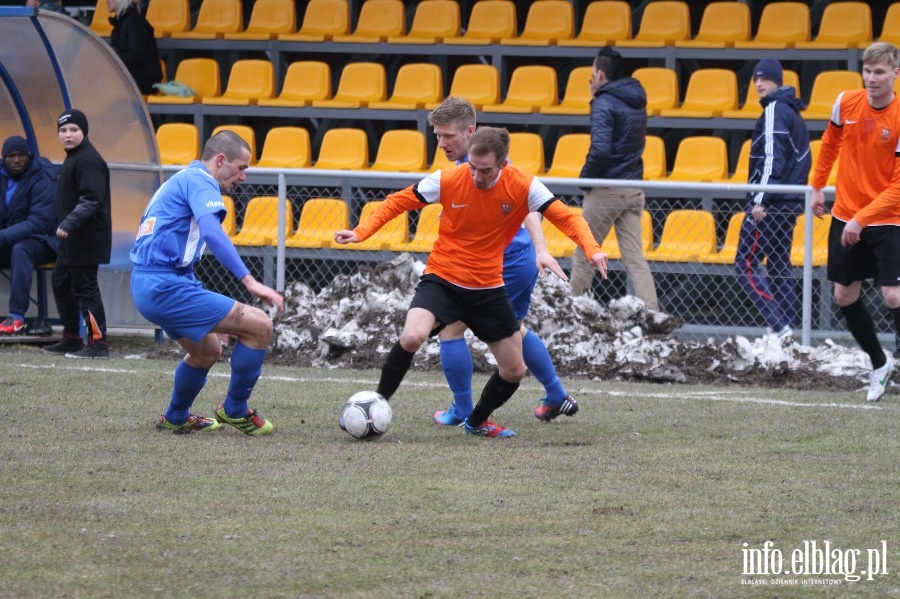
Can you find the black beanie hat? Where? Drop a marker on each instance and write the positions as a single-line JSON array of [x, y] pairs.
[[73, 117], [15, 144]]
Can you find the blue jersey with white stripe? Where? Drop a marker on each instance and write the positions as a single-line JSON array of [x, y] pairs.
[[169, 235]]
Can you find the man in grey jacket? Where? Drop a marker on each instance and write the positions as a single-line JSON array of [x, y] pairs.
[[618, 134]]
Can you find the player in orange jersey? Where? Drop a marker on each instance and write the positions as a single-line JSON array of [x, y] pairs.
[[484, 204], [864, 240]]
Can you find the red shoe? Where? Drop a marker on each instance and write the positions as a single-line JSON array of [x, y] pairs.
[[11, 326]]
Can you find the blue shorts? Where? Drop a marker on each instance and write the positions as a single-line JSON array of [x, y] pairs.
[[177, 302], [520, 274]]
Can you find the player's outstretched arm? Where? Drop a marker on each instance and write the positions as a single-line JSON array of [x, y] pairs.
[[600, 260], [543, 258], [344, 237], [263, 292]]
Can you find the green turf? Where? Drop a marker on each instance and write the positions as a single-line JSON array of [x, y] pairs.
[[650, 491]]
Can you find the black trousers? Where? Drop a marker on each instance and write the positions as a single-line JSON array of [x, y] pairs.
[[77, 293]]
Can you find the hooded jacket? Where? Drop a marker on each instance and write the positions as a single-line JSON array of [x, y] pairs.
[[787, 162], [32, 208], [84, 207], [618, 131]]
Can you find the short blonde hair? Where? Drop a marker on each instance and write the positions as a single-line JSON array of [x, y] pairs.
[[882, 52]]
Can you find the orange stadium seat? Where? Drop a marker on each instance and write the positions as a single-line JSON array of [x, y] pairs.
[[319, 219], [722, 24], [304, 82], [322, 20], [781, 25], [663, 23], [843, 25], [489, 22], [433, 21], [661, 86], [530, 88], [215, 19], [199, 74], [547, 22], [604, 23], [360, 83], [287, 147], [577, 96], [710, 92], [268, 19], [168, 16], [378, 20]]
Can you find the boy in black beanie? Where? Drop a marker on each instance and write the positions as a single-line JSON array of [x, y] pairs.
[[85, 240]]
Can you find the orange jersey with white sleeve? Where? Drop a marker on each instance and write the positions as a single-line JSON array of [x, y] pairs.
[[868, 141], [477, 224]]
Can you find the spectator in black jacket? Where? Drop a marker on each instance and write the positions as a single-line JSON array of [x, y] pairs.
[[618, 135], [85, 233], [27, 223], [132, 39]]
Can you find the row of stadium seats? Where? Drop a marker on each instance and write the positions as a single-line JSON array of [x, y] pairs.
[[548, 22], [710, 92], [698, 158], [687, 235]]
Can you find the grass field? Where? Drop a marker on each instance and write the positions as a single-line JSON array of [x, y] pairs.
[[650, 491]]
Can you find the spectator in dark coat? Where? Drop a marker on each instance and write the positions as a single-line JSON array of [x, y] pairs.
[[132, 39], [27, 223], [85, 233]]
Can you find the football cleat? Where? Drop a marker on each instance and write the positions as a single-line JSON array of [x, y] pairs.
[[548, 411], [447, 417], [488, 429], [194, 423], [251, 424]]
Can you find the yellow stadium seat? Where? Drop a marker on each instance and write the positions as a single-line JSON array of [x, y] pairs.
[[344, 149], [604, 23], [709, 93], [826, 87], [215, 19], [663, 23], [781, 25], [322, 20], [728, 252], [360, 83], [700, 158], [268, 19], [100, 19], [742, 168], [417, 85], [477, 83], [199, 74], [569, 156], [654, 158], [722, 24], [687, 235], [401, 150], [661, 87], [610, 245], [433, 21], [577, 97], [179, 143], [814, 147], [530, 88], [246, 133], [751, 108], [286, 147], [558, 244], [526, 151], [304, 82], [250, 80], [168, 16], [890, 29], [426, 231], [229, 224], [820, 241], [260, 226], [547, 22], [378, 20], [393, 232], [319, 219], [843, 25], [489, 22]]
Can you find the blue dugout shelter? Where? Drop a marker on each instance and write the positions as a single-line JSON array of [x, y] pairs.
[[49, 63]]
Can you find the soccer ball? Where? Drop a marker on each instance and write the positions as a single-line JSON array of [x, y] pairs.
[[366, 414]]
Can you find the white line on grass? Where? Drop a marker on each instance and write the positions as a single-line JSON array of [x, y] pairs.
[[733, 396]]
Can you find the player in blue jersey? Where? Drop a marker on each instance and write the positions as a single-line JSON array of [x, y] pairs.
[[185, 215], [526, 258]]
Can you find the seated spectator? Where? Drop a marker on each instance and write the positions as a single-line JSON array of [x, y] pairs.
[[132, 39], [28, 192]]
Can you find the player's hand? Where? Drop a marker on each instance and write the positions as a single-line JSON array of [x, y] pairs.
[[547, 262], [62, 233], [852, 232], [600, 260], [344, 237], [759, 212], [265, 293], [817, 201]]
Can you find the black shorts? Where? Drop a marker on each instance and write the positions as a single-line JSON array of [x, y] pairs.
[[486, 311], [874, 257]]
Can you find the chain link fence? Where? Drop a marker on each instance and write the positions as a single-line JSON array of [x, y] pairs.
[[691, 234]]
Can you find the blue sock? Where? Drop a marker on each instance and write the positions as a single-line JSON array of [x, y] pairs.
[[189, 382], [246, 366], [538, 361], [15, 316], [456, 360]]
